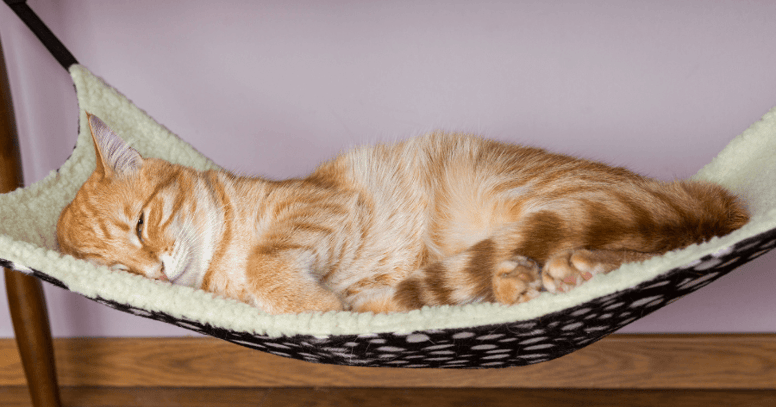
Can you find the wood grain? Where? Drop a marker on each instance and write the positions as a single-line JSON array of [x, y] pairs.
[[324, 397], [617, 362]]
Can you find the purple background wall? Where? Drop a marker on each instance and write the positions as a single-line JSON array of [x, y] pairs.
[[273, 88]]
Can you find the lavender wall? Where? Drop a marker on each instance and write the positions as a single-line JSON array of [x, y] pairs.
[[273, 88]]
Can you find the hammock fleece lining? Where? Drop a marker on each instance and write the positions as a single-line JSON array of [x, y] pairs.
[[747, 166]]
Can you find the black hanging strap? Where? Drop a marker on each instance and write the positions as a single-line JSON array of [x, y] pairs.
[[49, 40]]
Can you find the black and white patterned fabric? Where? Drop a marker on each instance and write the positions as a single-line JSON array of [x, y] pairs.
[[488, 346]]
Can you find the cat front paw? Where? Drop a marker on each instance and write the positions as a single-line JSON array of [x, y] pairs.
[[516, 280]]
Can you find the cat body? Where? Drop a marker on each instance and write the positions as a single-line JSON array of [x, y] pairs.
[[442, 219]]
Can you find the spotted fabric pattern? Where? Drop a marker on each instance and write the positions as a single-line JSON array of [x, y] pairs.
[[487, 346]]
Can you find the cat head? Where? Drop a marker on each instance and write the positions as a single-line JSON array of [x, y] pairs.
[[124, 215]]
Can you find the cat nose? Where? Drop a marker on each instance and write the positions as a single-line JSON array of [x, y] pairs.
[[162, 275]]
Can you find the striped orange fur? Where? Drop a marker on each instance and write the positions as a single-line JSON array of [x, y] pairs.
[[440, 219]]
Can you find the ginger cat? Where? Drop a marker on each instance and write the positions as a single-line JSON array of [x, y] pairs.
[[440, 219]]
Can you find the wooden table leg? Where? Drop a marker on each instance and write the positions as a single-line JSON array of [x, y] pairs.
[[33, 337], [25, 294]]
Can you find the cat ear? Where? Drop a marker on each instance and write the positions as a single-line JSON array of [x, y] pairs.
[[114, 156]]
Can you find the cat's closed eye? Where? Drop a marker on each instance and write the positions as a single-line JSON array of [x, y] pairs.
[[139, 227], [119, 267]]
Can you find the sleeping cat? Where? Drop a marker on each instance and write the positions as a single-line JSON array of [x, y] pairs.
[[440, 219]]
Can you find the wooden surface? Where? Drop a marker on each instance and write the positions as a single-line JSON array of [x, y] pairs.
[[25, 294], [290, 397], [617, 362]]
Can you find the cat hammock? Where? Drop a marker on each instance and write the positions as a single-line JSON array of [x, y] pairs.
[[470, 336]]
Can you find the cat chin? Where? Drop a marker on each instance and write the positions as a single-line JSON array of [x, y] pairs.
[[185, 272]]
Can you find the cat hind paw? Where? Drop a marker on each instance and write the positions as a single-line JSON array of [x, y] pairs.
[[568, 269], [516, 280]]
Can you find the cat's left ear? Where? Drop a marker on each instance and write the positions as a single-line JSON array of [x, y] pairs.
[[114, 156]]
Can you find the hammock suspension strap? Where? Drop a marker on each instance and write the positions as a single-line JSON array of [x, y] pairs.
[[44, 34]]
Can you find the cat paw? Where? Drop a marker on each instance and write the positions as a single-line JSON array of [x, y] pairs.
[[516, 280], [570, 268]]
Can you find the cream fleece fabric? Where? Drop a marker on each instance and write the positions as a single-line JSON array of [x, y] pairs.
[[28, 217]]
